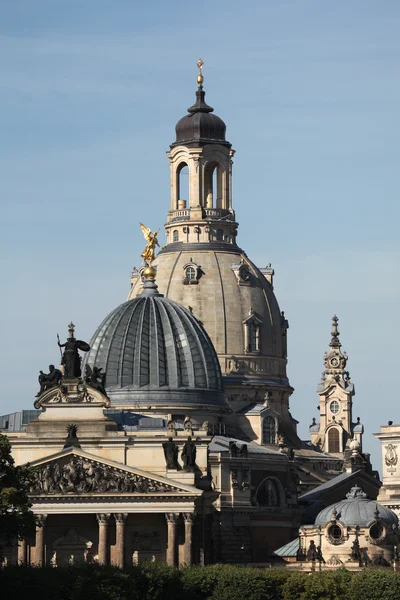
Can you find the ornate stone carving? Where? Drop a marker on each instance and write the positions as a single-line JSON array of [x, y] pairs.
[[391, 457], [82, 476], [189, 517], [120, 517], [171, 517], [103, 518], [334, 561]]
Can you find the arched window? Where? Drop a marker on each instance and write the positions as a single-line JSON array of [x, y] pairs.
[[268, 430], [190, 273], [254, 337], [220, 235], [267, 493], [213, 186], [175, 236], [182, 183], [333, 440]]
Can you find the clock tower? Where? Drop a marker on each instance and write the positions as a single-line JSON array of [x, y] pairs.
[[336, 430]]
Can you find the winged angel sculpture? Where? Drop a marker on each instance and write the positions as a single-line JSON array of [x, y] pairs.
[[149, 253]]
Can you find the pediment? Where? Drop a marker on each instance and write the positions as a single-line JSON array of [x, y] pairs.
[[74, 472], [72, 392]]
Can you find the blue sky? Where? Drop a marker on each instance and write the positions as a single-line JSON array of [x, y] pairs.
[[89, 96]]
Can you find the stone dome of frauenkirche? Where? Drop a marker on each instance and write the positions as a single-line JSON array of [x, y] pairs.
[[357, 509], [156, 355]]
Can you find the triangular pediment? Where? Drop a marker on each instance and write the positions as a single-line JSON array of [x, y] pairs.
[[74, 472]]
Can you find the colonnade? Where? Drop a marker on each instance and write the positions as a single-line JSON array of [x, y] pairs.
[[104, 520]]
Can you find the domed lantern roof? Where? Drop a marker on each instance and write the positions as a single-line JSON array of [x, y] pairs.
[[357, 509], [156, 354], [200, 127]]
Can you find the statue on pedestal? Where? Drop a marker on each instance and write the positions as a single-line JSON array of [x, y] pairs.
[[189, 455], [49, 380], [171, 454], [71, 360]]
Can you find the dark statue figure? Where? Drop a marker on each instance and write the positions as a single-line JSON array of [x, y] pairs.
[[71, 360], [312, 551], [243, 451], [356, 552], [171, 454], [72, 439], [318, 555], [233, 451], [49, 380], [96, 378], [189, 455]]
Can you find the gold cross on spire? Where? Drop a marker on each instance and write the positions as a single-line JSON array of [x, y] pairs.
[[200, 77]]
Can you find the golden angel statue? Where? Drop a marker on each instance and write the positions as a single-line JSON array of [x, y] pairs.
[[148, 253]]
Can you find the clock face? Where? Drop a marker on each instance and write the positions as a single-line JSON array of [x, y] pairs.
[[334, 407], [334, 362]]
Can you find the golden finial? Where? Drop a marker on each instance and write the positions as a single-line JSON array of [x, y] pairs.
[[200, 77], [149, 252]]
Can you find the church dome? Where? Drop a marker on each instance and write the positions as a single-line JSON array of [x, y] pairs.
[[156, 354], [357, 509], [200, 127], [230, 294]]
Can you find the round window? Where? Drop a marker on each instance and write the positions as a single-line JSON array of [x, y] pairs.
[[191, 273], [335, 534], [334, 407], [376, 531]]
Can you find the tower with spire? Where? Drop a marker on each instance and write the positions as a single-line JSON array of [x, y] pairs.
[[336, 433], [202, 267]]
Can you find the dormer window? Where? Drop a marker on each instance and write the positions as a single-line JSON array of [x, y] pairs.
[[268, 430], [190, 273], [252, 330]]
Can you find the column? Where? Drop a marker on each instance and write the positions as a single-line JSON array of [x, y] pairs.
[[39, 541], [102, 520], [172, 548], [120, 520], [188, 551], [22, 552]]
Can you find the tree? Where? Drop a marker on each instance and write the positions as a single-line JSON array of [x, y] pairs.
[[16, 518]]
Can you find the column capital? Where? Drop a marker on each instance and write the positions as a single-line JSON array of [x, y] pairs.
[[40, 520], [189, 517], [120, 517], [103, 518], [172, 517]]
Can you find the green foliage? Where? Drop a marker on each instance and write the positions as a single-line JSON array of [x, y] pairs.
[[374, 584], [294, 586], [16, 518], [153, 581]]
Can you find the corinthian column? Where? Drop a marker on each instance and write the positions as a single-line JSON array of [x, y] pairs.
[[188, 551], [172, 519], [39, 541], [120, 520], [102, 520]]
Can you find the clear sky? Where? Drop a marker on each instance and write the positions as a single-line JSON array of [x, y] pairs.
[[89, 96]]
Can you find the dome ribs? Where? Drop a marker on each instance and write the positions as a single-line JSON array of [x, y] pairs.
[[172, 364], [129, 344]]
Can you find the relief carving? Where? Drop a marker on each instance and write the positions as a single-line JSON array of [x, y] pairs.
[[81, 476]]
